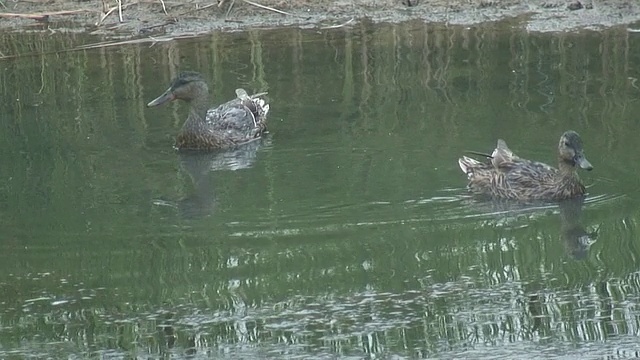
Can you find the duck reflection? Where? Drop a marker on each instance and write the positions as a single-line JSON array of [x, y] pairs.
[[201, 167], [576, 238], [169, 337]]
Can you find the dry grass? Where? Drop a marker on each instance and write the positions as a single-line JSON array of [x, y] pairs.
[[147, 17]]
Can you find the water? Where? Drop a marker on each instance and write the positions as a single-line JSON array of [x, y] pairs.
[[347, 232]]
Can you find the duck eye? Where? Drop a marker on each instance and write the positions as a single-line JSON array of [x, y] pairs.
[[566, 143]]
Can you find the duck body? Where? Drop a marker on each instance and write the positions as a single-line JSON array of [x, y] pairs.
[[504, 175], [233, 123]]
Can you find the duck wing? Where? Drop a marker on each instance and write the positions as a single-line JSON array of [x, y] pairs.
[[502, 154], [527, 174], [243, 112]]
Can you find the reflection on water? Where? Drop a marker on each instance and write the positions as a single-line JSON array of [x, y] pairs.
[[573, 232], [575, 236], [201, 167], [347, 232]]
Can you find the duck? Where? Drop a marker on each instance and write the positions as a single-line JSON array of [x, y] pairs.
[[505, 176], [233, 123]]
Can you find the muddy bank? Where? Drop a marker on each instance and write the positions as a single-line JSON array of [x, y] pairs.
[[174, 18]]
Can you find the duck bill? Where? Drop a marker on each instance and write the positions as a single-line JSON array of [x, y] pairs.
[[583, 163], [167, 96]]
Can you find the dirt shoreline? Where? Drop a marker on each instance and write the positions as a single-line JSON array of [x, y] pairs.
[[188, 17]]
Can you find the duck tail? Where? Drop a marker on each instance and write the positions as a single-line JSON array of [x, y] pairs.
[[259, 106], [255, 104], [262, 108], [467, 164]]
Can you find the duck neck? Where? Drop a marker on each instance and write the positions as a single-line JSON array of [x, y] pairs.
[[199, 106], [567, 168]]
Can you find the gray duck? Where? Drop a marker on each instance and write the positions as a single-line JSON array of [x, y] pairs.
[[233, 123], [504, 175]]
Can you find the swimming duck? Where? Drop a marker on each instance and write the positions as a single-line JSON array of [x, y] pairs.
[[506, 176], [233, 123]]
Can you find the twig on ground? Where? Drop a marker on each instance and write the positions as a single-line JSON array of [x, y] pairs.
[[149, 28], [103, 44], [39, 17], [120, 10], [150, 39], [43, 16], [226, 15], [339, 25], [268, 8], [196, 9], [104, 15], [164, 8]]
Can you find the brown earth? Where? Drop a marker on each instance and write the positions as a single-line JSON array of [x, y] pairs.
[[187, 17]]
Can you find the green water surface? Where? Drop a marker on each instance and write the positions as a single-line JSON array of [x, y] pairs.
[[347, 232]]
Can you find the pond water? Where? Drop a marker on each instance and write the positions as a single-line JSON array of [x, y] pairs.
[[347, 232]]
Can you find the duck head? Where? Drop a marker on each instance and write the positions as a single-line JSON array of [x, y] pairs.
[[187, 86], [570, 150]]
